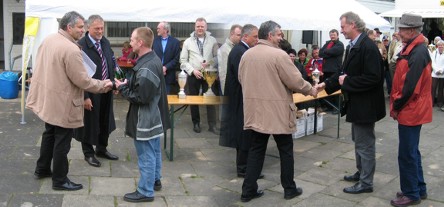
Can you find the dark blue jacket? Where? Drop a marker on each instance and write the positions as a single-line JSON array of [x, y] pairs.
[[170, 57]]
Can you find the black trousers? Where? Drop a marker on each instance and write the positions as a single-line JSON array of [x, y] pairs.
[[193, 86], [244, 144], [256, 157], [103, 136], [56, 143]]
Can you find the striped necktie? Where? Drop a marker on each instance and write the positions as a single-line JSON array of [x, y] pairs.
[[104, 68]]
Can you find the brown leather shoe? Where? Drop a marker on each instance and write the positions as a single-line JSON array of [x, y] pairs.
[[404, 201], [400, 194]]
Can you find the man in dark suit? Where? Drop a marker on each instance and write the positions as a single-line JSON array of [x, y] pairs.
[[232, 133], [361, 81], [168, 50], [99, 115]]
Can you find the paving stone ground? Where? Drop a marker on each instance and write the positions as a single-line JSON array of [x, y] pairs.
[[203, 173]]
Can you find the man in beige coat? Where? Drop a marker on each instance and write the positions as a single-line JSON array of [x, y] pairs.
[[269, 78], [56, 97]]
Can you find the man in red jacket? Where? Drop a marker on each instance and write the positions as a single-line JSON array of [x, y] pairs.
[[411, 106]]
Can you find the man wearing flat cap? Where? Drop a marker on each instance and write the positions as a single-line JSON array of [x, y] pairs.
[[411, 106], [378, 33]]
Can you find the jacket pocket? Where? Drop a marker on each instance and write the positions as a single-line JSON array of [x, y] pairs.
[[292, 118], [76, 111]]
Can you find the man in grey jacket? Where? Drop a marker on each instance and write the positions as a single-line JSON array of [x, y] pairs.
[[146, 119]]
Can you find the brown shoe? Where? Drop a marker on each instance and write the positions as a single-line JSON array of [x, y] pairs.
[[404, 201], [400, 194]]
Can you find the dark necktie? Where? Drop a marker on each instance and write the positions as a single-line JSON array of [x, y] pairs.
[[104, 68]]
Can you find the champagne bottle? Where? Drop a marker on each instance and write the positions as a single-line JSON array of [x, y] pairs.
[[118, 72]]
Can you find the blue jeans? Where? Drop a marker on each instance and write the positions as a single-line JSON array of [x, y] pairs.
[[409, 160], [150, 164]]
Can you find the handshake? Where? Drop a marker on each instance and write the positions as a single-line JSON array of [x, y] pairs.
[[110, 85], [316, 89]]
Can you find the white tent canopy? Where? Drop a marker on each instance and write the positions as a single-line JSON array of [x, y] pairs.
[[292, 15], [320, 15], [424, 8]]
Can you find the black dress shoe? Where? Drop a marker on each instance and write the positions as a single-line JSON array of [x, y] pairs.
[[68, 185], [41, 175], [157, 185], [93, 161], [242, 175], [358, 188], [258, 194], [196, 128], [353, 178], [293, 193], [136, 197], [107, 155]]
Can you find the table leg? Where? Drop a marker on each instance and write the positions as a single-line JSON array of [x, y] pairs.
[[315, 124], [339, 114], [170, 153]]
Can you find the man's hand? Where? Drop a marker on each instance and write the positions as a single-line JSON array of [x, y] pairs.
[[394, 114], [205, 64], [342, 78], [197, 74], [108, 85], [87, 104], [119, 83], [164, 70], [314, 91], [321, 87]]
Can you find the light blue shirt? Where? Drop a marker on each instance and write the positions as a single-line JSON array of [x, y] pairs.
[[94, 41], [353, 42]]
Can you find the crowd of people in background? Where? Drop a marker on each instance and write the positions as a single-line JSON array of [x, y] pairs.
[[254, 112]]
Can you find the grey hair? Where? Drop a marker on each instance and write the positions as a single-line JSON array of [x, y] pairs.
[[201, 19], [351, 17], [70, 19], [247, 29], [266, 28], [166, 26], [440, 42], [93, 18], [418, 29]]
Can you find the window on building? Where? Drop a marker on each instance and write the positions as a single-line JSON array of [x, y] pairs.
[[18, 28], [122, 29], [178, 29]]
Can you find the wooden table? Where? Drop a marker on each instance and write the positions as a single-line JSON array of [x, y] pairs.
[[174, 100], [300, 98], [124, 64]]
